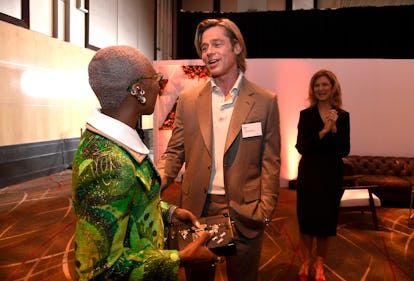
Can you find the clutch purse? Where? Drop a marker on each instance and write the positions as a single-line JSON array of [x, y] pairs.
[[221, 243]]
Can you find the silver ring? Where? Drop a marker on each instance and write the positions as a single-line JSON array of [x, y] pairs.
[[218, 260]]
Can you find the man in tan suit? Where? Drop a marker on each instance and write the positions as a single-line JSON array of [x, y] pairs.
[[227, 134]]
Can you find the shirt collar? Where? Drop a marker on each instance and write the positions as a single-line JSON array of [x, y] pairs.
[[234, 90], [117, 131]]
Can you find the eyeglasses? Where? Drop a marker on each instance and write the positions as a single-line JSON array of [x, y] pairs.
[[157, 77]]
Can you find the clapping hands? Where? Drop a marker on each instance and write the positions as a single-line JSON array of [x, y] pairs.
[[332, 117]]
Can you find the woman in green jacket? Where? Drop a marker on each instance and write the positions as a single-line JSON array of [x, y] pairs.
[[116, 188]]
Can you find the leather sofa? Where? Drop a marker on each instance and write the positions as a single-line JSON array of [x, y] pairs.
[[394, 176]]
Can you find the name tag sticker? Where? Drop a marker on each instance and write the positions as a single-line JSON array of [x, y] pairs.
[[252, 130]]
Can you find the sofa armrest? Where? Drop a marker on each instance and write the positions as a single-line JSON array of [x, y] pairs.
[[349, 169]]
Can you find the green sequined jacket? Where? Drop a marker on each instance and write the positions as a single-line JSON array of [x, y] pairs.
[[120, 231]]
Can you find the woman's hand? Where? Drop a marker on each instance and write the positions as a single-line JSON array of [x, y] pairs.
[[332, 117], [184, 215], [197, 251], [330, 123]]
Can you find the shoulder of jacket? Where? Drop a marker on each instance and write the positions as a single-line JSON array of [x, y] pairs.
[[196, 89]]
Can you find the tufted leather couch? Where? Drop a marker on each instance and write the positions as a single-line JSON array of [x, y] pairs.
[[394, 176]]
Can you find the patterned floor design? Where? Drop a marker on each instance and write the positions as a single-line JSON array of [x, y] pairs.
[[37, 225]]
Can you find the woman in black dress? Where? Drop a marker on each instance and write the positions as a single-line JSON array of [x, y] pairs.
[[323, 139]]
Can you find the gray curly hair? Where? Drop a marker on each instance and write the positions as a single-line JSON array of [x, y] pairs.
[[113, 69]]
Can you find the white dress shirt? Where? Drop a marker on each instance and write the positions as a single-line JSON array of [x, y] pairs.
[[221, 113]]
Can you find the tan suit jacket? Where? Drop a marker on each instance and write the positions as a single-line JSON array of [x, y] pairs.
[[251, 164]]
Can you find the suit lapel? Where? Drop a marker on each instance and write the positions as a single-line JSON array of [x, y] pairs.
[[203, 108], [244, 104]]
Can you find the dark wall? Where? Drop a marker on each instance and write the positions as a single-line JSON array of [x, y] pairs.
[[361, 32], [23, 162]]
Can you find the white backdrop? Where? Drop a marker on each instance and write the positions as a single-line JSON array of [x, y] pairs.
[[378, 94]]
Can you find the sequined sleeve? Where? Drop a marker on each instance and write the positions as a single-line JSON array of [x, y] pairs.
[[120, 230]]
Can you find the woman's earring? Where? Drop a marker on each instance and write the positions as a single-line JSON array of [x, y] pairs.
[[139, 94], [142, 99]]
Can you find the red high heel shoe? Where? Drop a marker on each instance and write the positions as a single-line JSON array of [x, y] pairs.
[[304, 272], [319, 275]]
